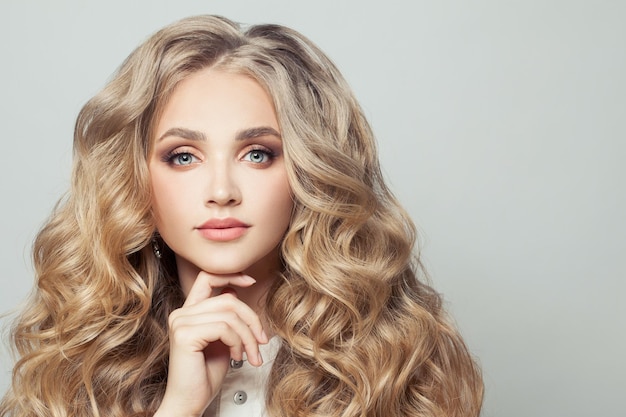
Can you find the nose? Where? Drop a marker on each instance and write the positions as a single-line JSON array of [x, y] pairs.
[[222, 186]]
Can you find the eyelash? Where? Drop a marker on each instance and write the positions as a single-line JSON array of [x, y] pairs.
[[169, 157], [267, 152]]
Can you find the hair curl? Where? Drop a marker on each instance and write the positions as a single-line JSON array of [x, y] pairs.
[[363, 336]]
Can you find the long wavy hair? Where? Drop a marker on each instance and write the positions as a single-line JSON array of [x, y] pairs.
[[363, 334]]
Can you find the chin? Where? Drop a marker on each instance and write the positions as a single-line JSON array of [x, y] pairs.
[[225, 269]]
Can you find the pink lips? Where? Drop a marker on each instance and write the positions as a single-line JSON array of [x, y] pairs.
[[223, 230]]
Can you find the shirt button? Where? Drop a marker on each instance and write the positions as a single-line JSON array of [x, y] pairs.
[[236, 364], [240, 397]]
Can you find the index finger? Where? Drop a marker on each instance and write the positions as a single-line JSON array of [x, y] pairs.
[[205, 283]]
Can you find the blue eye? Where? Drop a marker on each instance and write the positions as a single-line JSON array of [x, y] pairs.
[[182, 158], [258, 156]]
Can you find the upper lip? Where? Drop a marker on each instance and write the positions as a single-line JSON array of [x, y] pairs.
[[222, 223]]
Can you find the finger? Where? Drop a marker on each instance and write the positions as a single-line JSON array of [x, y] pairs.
[[194, 333], [228, 299], [239, 338], [205, 283], [224, 303]]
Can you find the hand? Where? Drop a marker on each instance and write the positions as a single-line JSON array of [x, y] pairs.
[[209, 329]]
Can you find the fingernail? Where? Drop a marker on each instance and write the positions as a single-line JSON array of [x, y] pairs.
[[260, 359], [248, 278], [264, 338]]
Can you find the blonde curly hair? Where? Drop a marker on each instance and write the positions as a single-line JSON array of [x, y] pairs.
[[362, 334]]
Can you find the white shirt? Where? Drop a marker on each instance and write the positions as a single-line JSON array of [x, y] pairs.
[[243, 390]]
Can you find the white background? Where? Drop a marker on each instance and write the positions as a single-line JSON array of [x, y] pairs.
[[502, 129]]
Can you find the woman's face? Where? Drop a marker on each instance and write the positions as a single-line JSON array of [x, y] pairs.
[[221, 198]]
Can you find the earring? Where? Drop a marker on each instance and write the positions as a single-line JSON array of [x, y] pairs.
[[156, 248]]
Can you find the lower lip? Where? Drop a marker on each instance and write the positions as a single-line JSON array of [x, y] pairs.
[[223, 235]]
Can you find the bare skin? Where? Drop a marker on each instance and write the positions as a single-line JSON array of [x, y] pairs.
[[222, 203], [205, 333]]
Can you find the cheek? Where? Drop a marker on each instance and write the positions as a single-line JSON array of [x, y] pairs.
[[270, 199], [281, 204], [160, 195], [167, 196]]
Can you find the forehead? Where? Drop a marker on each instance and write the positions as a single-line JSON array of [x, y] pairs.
[[210, 98]]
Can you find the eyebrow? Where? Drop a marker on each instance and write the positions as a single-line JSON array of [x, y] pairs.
[[183, 133], [196, 135], [256, 132]]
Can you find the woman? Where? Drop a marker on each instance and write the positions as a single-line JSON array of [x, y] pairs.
[[228, 224]]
